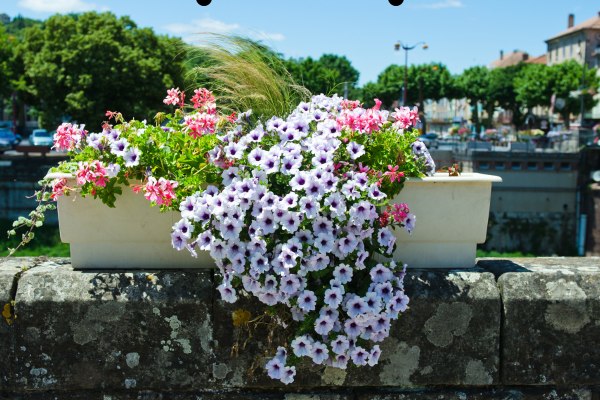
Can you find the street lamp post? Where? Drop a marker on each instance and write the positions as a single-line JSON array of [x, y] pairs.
[[582, 106], [399, 45]]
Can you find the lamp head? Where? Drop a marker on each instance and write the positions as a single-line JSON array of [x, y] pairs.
[[397, 46]]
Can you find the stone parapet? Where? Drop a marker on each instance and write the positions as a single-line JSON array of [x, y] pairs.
[[507, 329]]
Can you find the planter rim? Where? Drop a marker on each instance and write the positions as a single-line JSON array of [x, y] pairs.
[[59, 175], [464, 177], [437, 177]]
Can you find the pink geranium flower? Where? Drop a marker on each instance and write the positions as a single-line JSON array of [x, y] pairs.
[[68, 136], [161, 191], [404, 117], [393, 173], [200, 124], [203, 98], [92, 172], [59, 188], [174, 97]]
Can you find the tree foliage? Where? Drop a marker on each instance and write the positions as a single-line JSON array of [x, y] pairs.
[[7, 43], [424, 82], [532, 86], [474, 85], [327, 75], [566, 78], [501, 92], [535, 85], [79, 66]]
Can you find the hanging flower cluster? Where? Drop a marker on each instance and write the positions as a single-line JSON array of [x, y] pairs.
[[296, 211], [296, 224]]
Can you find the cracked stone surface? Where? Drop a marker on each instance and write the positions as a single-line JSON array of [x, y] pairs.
[[551, 320]]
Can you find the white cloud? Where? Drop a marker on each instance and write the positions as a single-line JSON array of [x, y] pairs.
[[271, 37], [442, 4], [59, 6], [215, 26]]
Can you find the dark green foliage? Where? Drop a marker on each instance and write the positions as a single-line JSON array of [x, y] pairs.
[[326, 75], [536, 83], [79, 66], [425, 81]]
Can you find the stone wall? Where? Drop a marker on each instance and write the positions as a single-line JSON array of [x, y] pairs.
[[507, 329]]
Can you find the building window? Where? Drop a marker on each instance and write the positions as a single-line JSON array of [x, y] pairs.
[[515, 165], [484, 165], [565, 166], [548, 166], [499, 166], [532, 166]]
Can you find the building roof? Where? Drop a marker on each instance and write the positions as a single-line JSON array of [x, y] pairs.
[[592, 23], [510, 59], [538, 60]]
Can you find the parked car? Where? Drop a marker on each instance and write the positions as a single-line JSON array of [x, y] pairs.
[[8, 140], [4, 145], [430, 139], [41, 137]]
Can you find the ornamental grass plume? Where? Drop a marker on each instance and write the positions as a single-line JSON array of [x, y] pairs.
[[244, 75]]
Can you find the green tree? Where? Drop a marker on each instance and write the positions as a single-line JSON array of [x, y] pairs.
[[79, 66], [533, 86], [424, 82], [7, 43], [427, 82], [501, 92], [369, 92], [326, 75], [18, 24], [12, 81], [474, 84], [389, 85], [566, 78]]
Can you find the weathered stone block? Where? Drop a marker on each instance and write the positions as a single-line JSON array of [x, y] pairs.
[[148, 395], [551, 324], [119, 330], [449, 336], [340, 394], [9, 269], [484, 394]]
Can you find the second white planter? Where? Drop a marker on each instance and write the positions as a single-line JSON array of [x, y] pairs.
[[452, 216]]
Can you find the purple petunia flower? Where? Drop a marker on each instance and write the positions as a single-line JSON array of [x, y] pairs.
[[301, 346], [307, 300], [132, 157], [355, 150]]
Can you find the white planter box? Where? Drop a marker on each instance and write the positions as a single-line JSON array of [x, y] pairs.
[[132, 235], [452, 216]]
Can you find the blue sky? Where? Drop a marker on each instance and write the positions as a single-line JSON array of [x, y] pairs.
[[460, 33]]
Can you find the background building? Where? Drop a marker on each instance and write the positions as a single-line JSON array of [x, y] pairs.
[[581, 43]]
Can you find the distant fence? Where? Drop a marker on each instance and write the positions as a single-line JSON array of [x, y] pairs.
[[18, 181]]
